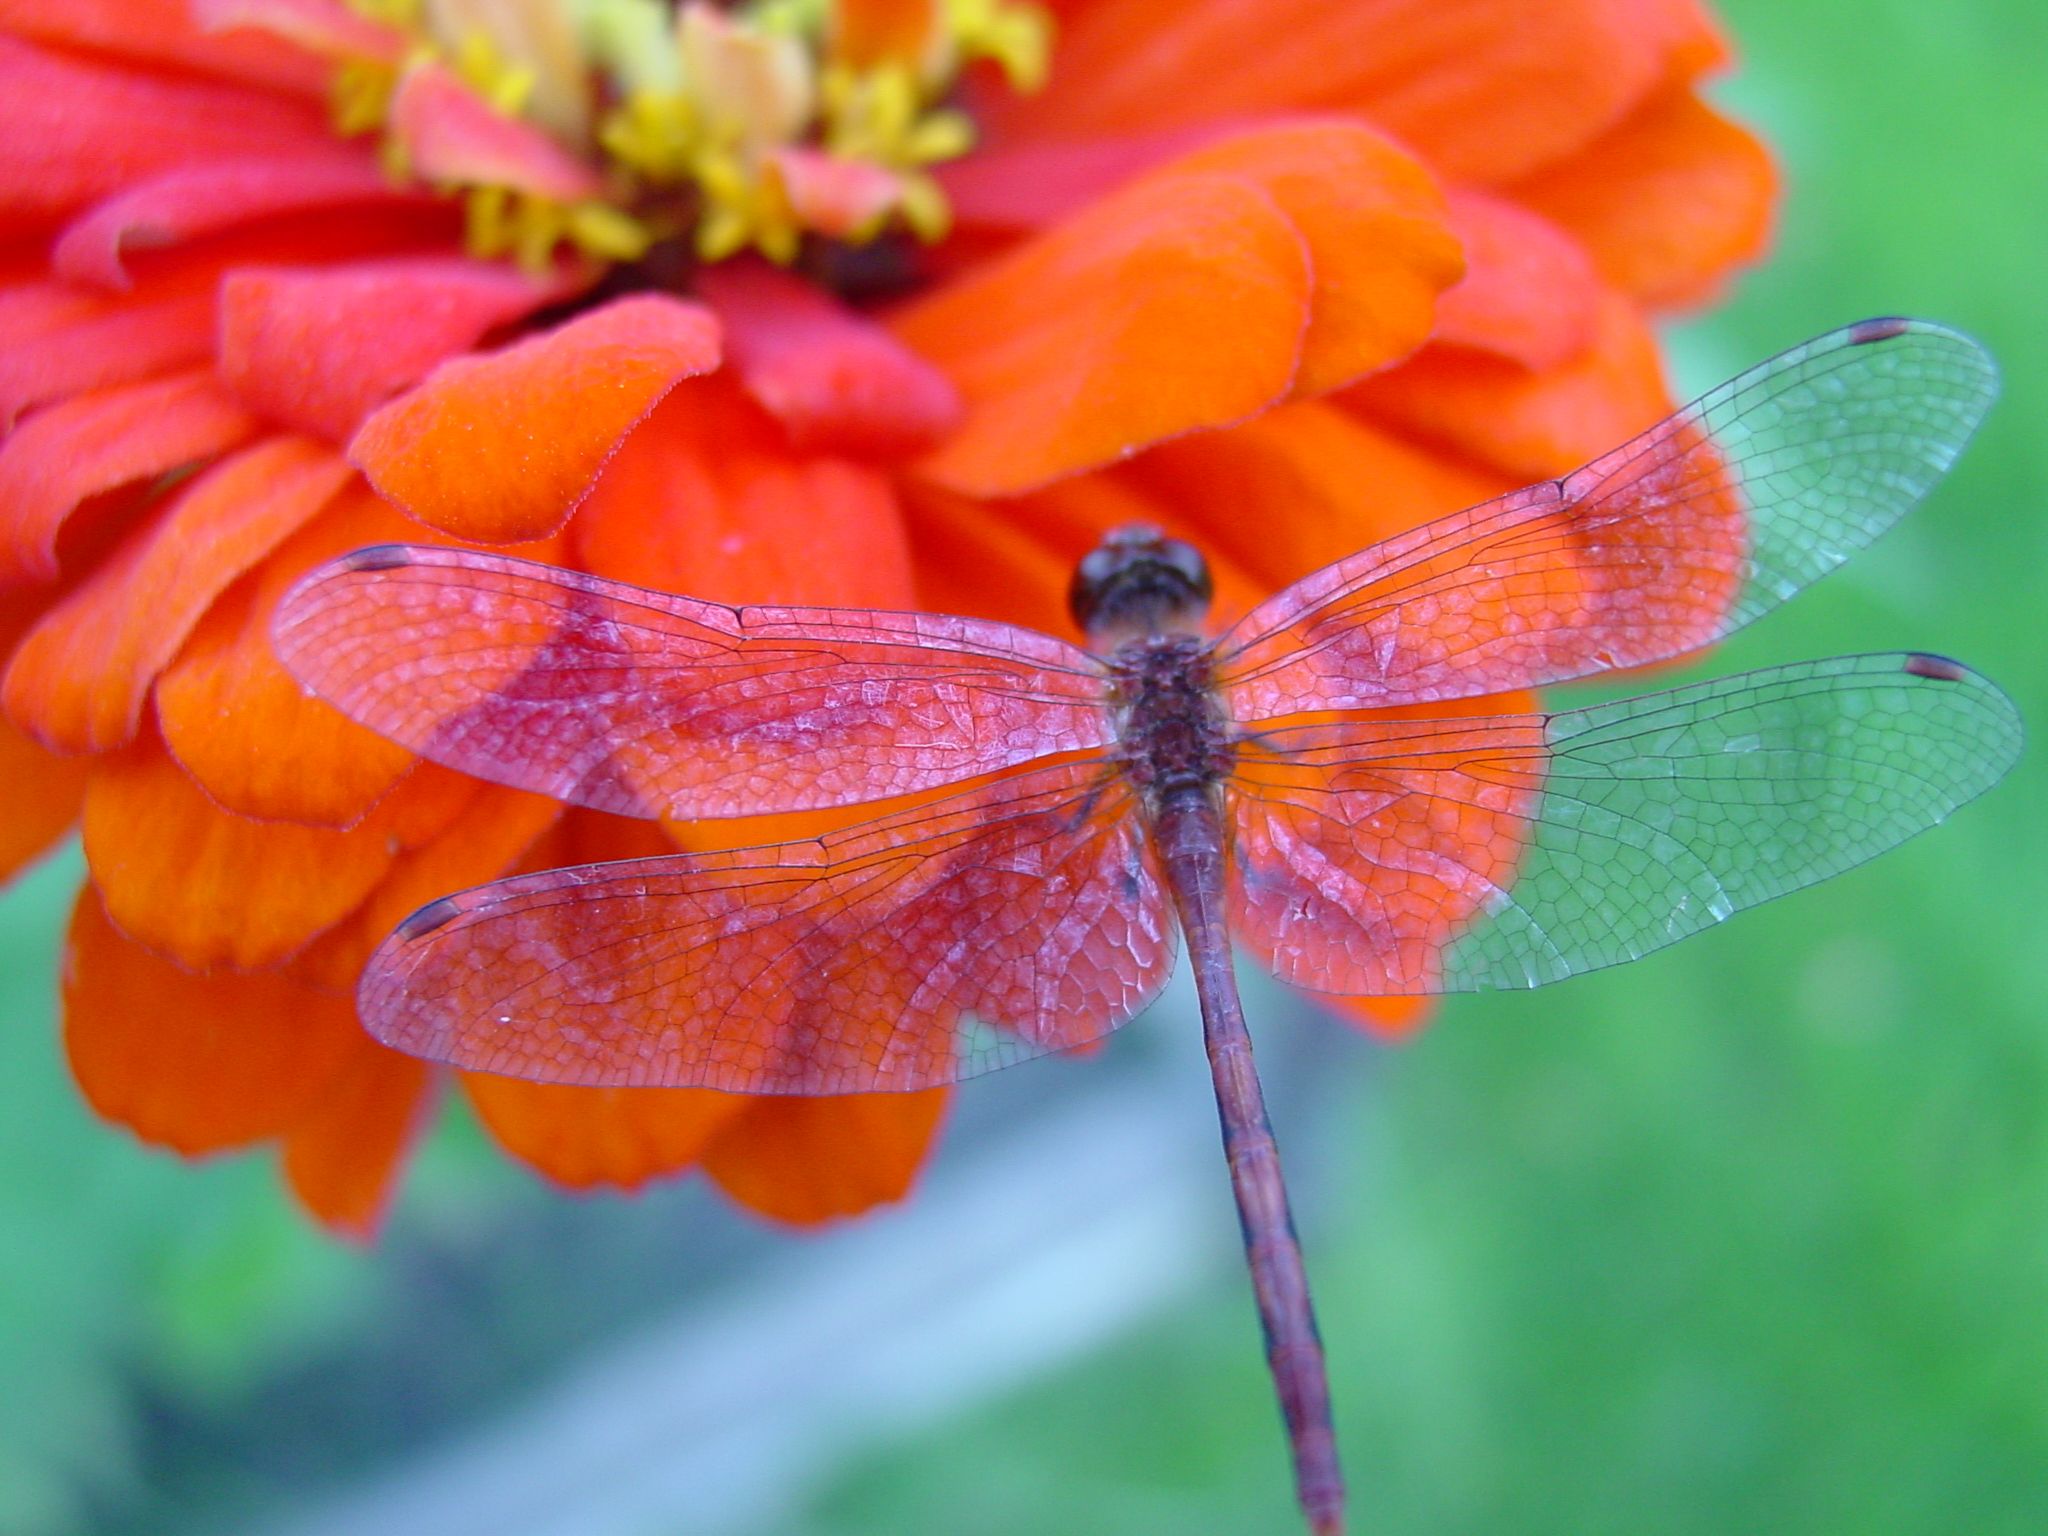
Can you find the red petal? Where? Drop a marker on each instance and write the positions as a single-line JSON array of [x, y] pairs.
[[588, 1137], [71, 132], [451, 134], [342, 1159], [78, 681], [1179, 303], [809, 1160], [837, 381], [1529, 425], [706, 497], [162, 32], [105, 343], [503, 447], [320, 350], [1529, 293], [189, 201], [195, 1063], [1668, 201], [93, 443], [211, 889]]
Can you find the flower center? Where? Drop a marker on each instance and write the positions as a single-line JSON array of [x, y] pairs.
[[609, 126]]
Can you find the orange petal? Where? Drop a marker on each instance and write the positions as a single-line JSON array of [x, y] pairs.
[[244, 728], [869, 32], [1529, 293], [1391, 1018], [503, 447], [836, 381], [320, 350], [1302, 486], [707, 498], [92, 443], [495, 828], [1528, 425], [1668, 201], [257, 742], [587, 1137], [43, 797], [808, 1160], [1379, 247], [1176, 304], [1483, 89], [78, 681], [195, 1063], [211, 889], [343, 1158]]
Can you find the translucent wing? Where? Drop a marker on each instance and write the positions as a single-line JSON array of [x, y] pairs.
[[1663, 545], [645, 704], [1391, 856], [1024, 917]]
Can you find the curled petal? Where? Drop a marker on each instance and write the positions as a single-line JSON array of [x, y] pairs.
[[811, 1160], [591, 1137], [97, 442], [706, 497], [1667, 202], [504, 447], [321, 349], [195, 1063], [79, 680], [343, 1157], [210, 889], [43, 797], [192, 200]]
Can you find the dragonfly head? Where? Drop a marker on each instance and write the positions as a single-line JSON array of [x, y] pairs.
[[1137, 582]]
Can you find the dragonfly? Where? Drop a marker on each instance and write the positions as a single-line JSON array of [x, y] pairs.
[[1324, 786]]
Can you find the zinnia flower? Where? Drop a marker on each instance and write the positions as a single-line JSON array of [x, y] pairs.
[[883, 302]]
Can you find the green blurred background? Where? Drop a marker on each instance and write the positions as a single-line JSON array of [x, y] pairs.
[[1750, 1236]]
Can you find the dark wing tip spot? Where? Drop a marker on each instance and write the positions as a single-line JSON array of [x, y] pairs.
[[434, 914], [378, 557], [1884, 329], [1940, 668]]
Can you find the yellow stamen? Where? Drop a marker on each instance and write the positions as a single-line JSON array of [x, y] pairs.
[[702, 106]]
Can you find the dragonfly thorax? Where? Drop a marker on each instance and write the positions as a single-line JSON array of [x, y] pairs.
[[1172, 734], [1139, 582]]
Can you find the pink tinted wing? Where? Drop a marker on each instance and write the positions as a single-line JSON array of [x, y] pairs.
[[1380, 856], [1024, 917], [1660, 547], [645, 704]]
